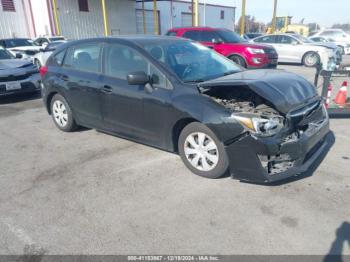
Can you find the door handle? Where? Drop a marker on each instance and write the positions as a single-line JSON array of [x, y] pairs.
[[106, 89], [64, 77]]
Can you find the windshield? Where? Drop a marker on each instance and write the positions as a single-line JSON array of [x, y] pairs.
[[303, 39], [4, 54], [10, 43], [190, 61], [230, 37]]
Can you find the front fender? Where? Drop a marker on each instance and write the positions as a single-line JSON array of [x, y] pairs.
[[216, 117]]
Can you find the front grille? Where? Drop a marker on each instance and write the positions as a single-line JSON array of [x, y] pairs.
[[271, 53], [13, 78]]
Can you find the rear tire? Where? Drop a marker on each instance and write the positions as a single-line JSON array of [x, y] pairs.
[[311, 59], [238, 60], [62, 114], [202, 152]]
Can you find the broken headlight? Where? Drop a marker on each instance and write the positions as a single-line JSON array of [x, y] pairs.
[[261, 126]]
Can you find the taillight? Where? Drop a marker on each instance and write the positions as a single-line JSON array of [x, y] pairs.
[[43, 71]]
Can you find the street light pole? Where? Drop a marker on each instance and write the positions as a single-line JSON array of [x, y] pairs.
[[243, 17], [273, 26]]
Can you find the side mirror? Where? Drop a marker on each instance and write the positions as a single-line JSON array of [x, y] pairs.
[[295, 43], [137, 78], [44, 45], [19, 55]]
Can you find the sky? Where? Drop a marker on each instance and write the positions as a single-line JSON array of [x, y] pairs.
[[323, 12]]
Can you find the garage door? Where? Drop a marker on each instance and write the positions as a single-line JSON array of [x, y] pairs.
[[186, 19], [148, 19]]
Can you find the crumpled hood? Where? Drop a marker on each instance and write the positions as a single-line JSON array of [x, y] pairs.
[[16, 67], [286, 91], [13, 63], [327, 45]]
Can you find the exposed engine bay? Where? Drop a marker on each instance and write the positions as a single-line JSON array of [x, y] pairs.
[[252, 111], [241, 99]]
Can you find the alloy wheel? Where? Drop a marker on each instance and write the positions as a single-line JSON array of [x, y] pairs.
[[201, 151], [60, 113]]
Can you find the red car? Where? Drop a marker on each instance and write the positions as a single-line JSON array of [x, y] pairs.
[[230, 45]]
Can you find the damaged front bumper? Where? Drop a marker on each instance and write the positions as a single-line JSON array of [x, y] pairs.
[[269, 159]]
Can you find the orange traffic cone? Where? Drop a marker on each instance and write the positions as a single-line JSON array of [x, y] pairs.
[[342, 94]]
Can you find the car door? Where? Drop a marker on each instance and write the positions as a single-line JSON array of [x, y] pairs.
[[80, 76], [288, 49], [130, 110]]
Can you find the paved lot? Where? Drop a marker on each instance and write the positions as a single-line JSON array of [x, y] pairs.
[[91, 193]]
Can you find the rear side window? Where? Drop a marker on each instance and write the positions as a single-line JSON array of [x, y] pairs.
[[194, 35], [208, 36], [171, 33], [57, 59], [266, 39], [85, 57]]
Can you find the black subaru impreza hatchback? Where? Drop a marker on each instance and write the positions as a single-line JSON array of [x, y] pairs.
[[177, 95]]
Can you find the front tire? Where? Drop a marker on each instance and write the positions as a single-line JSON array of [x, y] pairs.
[[238, 60], [311, 59], [202, 152], [62, 114]]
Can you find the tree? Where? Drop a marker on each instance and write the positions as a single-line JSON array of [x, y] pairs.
[[251, 25]]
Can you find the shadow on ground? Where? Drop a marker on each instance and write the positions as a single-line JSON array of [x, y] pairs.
[[16, 98], [342, 236]]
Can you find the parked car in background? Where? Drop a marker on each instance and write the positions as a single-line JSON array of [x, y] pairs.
[[40, 58], [23, 46], [39, 41], [249, 36], [177, 95], [17, 75], [344, 47], [231, 45], [294, 48], [338, 35]]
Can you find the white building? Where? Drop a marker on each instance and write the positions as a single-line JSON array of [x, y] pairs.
[[77, 19], [178, 13]]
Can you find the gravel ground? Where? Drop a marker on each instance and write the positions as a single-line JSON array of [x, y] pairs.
[[91, 193]]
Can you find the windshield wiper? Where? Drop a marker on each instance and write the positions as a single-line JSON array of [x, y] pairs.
[[194, 81]]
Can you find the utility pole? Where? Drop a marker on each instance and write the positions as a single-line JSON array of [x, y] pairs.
[[273, 26], [243, 17], [155, 17]]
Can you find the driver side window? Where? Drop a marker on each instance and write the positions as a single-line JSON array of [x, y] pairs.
[[121, 60]]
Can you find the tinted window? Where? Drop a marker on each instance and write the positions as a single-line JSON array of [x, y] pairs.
[[85, 57], [171, 33], [52, 46], [9, 43], [57, 59], [284, 39], [4, 54], [208, 36], [194, 35], [121, 60], [266, 39], [230, 37]]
